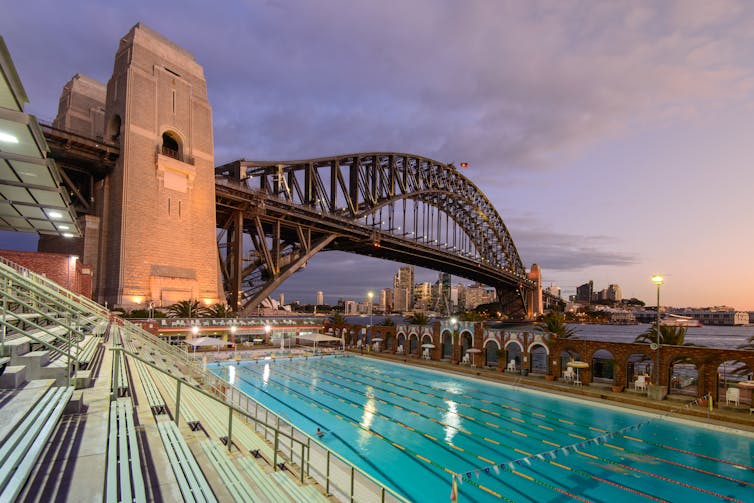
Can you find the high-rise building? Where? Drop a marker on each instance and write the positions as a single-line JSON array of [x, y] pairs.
[[386, 300], [584, 292], [441, 294], [403, 288], [281, 299], [478, 294], [320, 298], [351, 307], [614, 293], [422, 296], [553, 290]]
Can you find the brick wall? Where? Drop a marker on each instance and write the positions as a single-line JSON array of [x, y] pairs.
[[64, 270]]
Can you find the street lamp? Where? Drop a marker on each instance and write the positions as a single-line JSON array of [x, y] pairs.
[[195, 331], [370, 295], [267, 329], [233, 339], [453, 335], [658, 280]]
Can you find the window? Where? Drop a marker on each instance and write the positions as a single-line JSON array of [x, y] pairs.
[[170, 146]]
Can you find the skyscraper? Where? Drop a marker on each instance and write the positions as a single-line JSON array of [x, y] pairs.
[[403, 287], [320, 298]]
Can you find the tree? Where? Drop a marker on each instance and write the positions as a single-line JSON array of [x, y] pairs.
[[555, 324], [420, 319], [220, 311], [187, 309], [337, 319], [387, 322], [471, 316], [670, 335]]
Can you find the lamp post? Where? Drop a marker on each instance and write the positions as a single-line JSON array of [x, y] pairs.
[[233, 339], [195, 331], [658, 280], [454, 334], [370, 296]]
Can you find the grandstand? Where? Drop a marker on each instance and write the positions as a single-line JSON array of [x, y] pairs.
[[95, 407]]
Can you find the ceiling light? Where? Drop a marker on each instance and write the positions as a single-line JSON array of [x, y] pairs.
[[54, 214], [8, 138], [63, 227], [67, 235]]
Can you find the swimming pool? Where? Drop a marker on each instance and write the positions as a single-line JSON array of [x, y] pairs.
[[410, 428]]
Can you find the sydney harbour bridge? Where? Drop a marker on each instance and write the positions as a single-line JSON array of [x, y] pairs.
[[272, 217]]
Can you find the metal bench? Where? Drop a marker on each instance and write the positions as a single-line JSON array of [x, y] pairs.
[[21, 448], [191, 480], [124, 478], [88, 349], [297, 492], [231, 477], [154, 398], [267, 486]]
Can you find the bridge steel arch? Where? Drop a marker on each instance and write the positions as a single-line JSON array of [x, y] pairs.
[[273, 216]]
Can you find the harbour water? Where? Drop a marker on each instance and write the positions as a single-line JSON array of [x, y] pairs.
[[715, 337]]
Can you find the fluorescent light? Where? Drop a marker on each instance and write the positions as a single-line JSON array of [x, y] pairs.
[[8, 138], [67, 235], [63, 227], [54, 214]]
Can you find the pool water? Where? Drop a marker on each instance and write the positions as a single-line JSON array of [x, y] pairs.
[[411, 428]]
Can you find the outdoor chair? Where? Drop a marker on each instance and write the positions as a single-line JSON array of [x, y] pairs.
[[569, 374], [732, 395], [399, 350], [511, 366], [641, 383], [466, 360]]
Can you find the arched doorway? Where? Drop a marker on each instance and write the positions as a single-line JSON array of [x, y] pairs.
[[729, 374], [447, 345], [603, 366], [466, 343], [491, 353], [684, 378], [401, 344], [513, 353], [538, 354], [171, 145], [413, 341]]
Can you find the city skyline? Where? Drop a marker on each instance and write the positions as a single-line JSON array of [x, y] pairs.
[[612, 139]]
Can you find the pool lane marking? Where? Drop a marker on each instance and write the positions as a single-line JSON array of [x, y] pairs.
[[605, 460], [332, 365], [634, 491], [691, 453], [617, 485], [330, 410], [321, 391], [705, 472]]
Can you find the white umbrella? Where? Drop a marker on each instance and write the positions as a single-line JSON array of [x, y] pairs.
[[428, 345], [577, 365], [258, 340], [473, 350], [377, 339]]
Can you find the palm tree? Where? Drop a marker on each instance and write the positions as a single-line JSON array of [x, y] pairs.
[[220, 311], [387, 322], [555, 324], [670, 335], [420, 319], [186, 309]]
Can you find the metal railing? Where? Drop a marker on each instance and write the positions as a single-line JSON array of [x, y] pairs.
[[340, 478]]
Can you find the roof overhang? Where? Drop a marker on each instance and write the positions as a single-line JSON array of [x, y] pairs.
[[31, 196]]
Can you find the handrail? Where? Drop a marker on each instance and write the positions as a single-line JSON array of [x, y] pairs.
[[221, 387]]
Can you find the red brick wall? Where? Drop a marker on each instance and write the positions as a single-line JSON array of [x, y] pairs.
[[62, 269]]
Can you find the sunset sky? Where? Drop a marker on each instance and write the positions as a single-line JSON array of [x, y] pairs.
[[615, 139]]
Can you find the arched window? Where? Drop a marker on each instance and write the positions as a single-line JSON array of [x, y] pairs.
[[170, 146], [113, 130]]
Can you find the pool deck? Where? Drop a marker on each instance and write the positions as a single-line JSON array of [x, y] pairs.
[[675, 405]]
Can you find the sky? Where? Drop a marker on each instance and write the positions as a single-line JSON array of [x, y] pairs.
[[613, 138]]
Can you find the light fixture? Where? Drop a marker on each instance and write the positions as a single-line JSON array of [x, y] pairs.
[[54, 214], [63, 227], [8, 138], [67, 235]]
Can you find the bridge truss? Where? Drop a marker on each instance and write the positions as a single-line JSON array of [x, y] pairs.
[[275, 216]]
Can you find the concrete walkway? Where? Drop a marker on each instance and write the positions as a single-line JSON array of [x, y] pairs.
[[721, 415]]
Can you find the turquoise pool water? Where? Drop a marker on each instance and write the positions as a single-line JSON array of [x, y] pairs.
[[410, 428]]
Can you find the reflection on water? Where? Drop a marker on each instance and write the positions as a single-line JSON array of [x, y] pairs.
[[370, 409], [266, 373], [452, 420], [232, 375]]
